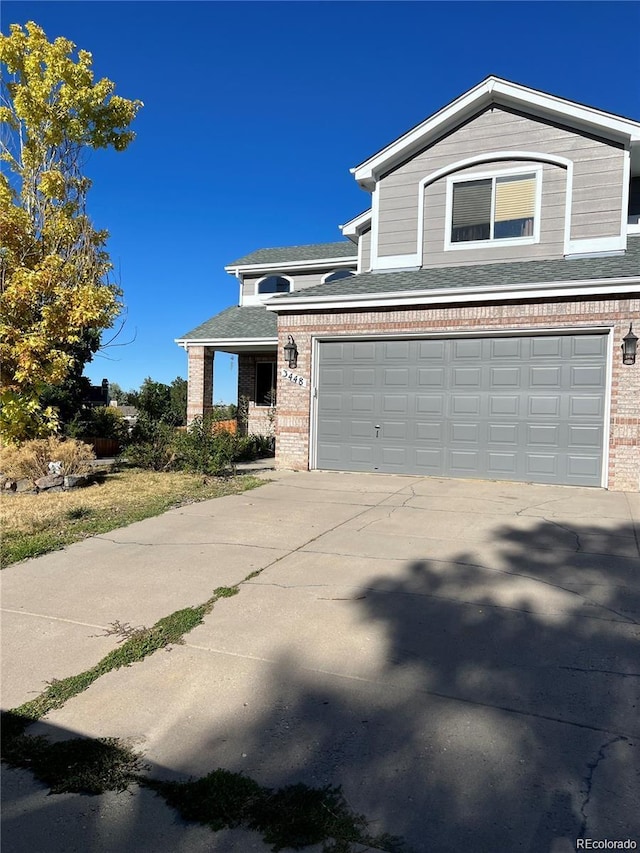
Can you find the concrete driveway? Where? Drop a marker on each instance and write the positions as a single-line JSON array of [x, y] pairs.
[[461, 656]]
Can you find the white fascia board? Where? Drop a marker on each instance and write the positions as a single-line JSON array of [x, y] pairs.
[[221, 343], [292, 266], [501, 91], [462, 295], [354, 226]]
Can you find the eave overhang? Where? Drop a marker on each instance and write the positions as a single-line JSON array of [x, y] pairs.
[[232, 345], [354, 227], [501, 92], [292, 266], [460, 295]]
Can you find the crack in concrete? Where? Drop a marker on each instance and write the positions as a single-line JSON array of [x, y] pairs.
[[53, 618], [424, 690], [588, 781], [601, 671], [623, 616], [567, 530], [182, 544]]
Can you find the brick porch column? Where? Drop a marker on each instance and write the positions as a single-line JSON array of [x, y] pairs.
[[200, 378]]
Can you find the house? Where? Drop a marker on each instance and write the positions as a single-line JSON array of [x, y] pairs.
[[476, 319], [97, 395]]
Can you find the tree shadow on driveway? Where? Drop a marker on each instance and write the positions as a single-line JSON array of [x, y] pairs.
[[504, 715]]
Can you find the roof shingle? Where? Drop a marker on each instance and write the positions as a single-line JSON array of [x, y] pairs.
[[293, 254], [478, 275], [234, 323]]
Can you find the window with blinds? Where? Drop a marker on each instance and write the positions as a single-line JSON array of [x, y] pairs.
[[498, 208]]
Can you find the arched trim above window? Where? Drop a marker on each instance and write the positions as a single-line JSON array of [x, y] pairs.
[[274, 284], [336, 275]]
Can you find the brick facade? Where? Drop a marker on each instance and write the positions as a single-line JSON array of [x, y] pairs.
[[260, 419], [293, 414], [200, 379]]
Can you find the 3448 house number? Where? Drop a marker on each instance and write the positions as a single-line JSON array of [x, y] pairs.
[[293, 377]]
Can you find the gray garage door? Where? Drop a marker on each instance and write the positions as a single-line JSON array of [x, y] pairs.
[[505, 407]]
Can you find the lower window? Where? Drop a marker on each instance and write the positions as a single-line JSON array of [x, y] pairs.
[[266, 383]]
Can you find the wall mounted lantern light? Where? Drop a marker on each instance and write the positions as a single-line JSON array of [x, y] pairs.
[[291, 352], [629, 346]]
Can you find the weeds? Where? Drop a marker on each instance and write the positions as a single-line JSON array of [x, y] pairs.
[[78, 512], [31, 460], [80, 765], [36, 524]]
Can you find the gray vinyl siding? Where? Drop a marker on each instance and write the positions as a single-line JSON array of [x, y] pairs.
[[365, 239], [551, 243], [598, 178]]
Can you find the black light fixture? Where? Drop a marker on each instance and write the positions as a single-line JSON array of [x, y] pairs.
[[629, 346], [291, 352]]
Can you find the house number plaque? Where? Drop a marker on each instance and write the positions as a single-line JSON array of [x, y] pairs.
[[293, 377]]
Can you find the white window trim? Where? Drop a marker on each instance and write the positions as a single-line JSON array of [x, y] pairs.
[[452, 180], [331, 272], [257, 298]]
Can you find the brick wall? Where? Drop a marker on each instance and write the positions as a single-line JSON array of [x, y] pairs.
[[293, 416], [200, 382], [260, 418]]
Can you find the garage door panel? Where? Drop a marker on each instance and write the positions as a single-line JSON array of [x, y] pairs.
[[506, 348], [582, 466], [587, 376], [467, 348], [395, 403], [464, 462], [503, 434], [588, 407], [429, 431], [361, 429], [527, 408], [543, 434], [399, 376], [430, 404], [538, 463], [465, 432], [548, 406], [502, 463], [585, 436], [545, 376], [363, 403], [464, 404], [506, 377], [585, 345], [502, 405], [363, 376], [430, 461], [396, 430], [432, 377]]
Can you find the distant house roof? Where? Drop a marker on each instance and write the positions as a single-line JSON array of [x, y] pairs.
[[478, 275], [251, 321], [295, 254]]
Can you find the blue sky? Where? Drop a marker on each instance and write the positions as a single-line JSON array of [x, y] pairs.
[[255, 111]]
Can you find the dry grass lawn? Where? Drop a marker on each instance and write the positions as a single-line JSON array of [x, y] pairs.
[[35, 524]]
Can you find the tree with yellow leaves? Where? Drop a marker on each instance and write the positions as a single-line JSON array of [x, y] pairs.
[[55, 288]]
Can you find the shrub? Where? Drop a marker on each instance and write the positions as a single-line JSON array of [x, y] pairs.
[[203, 449], [154, 448], [101, 422], [31, 459]]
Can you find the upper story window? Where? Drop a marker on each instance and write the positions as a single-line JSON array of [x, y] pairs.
[[274, 284], [336, 275], [493, 209]]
